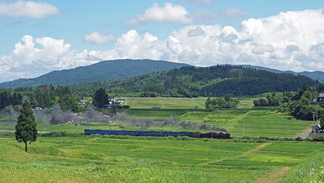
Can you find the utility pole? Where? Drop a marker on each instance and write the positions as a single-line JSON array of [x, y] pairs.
[[44, 121], [287, 126], [171, 123], [314, 125], [243, 124]]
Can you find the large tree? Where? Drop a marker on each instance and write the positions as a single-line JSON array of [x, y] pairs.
[[100, 98], [26, 126]]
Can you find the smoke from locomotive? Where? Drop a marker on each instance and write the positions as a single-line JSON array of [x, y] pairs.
[[148, 122]]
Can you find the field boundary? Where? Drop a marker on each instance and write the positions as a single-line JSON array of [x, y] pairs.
[[244, 154], [256, 149], [274, 176]]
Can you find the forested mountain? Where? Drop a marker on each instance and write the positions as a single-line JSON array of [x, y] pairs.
[[120, 69], [191, 81], [316, 75], [102, 71]]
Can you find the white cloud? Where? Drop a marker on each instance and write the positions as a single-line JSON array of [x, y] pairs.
[[288, 41], [169, 13], [97, 38], [27, 9], [260, 49], [230, 13], [198, 31]]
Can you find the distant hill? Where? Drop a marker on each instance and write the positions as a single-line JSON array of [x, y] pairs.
[[102, 71], [121, 69], [216, 80], [316, 75]]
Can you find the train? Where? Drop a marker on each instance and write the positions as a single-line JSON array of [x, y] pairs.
[[159, 133]]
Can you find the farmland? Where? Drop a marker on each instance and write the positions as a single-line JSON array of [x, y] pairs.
[[68, 156], [132, 159]]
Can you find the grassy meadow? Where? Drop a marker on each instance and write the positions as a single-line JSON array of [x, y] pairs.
[[143, 159], [73, 157]]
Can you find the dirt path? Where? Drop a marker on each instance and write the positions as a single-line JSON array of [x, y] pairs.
[[219, 160], [256, 149], [245, 154], [196, 104], [162, 103], [306, 133], [235, 119], [274, 176]]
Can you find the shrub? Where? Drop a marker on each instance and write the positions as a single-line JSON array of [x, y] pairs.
[[179, 138], [299, 139], [186, 138], [266, 138]]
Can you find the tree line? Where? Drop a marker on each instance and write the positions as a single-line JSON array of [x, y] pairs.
[[225, 102], [305, 108], [192, 82], [43, 96]]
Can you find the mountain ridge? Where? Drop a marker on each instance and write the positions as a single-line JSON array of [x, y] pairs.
[[101, 71], [120, 69]]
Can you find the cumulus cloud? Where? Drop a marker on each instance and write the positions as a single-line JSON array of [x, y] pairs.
[[198, 31], [97, 38], [27, 9], [231, 13], [288, 41], [261, 49], [168, 13]]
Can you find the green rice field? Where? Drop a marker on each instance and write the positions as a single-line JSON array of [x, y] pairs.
[[167, 103], [143, 159], [70, 156]]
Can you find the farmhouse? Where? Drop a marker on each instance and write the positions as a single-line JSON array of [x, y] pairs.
[[109, 106], [320, 99], [316, 128], [120, 101], [83, 102], [38, 108], [111, 99], [296, 97]]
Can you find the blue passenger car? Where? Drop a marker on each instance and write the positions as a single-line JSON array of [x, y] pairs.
[[143, 133]]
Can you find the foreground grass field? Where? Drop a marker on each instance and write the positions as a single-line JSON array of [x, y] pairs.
[[140, 159], [148, 159]]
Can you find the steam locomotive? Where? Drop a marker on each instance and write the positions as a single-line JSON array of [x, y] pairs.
[[159, 133]]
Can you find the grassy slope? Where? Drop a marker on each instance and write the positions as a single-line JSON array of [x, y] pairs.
[[95, 159]]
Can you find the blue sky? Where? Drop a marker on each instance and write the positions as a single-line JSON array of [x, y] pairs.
[[41, 36]]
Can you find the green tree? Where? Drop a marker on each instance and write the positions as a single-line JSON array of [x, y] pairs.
[[114, 111], [100, 98], [26, 126], [227, 97], [9, 111]]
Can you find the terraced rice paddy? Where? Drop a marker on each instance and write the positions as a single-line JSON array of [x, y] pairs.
[[148, 159], [140, 159]]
